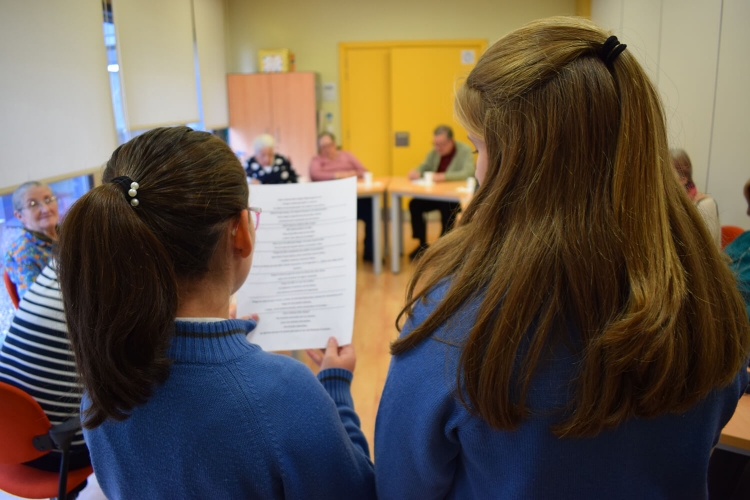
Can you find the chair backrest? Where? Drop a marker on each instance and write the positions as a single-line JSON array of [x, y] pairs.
[[21, 419], [12, 290], [729, 233]]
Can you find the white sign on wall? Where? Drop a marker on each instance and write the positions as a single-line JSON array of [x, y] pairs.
[[329, 91], [468, 56]]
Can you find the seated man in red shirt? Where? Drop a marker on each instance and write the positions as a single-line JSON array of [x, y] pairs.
[[451, 161]]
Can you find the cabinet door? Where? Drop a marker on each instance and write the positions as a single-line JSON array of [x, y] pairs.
[[249, 110], [294, 118]]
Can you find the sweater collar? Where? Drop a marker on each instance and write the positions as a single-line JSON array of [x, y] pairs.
[[214, 342], [39, 236]]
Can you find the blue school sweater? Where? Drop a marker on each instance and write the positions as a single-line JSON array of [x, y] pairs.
[[232, 421], [428, 446]]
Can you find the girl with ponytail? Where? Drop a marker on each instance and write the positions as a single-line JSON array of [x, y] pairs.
[[578, 335], [177, 402]]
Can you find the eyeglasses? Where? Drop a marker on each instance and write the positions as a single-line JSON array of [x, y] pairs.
[[35, 205], [256, 211]]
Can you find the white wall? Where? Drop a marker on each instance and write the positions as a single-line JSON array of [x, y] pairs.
[[210, 43], [730, 143], [693, 51], [55, 108], [157, 62], [687, 77]]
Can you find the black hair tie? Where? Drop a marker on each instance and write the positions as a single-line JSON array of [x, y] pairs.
[[129, 188], [611, 49]]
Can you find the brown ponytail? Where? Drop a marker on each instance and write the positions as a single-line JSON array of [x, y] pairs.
[[120, 265]]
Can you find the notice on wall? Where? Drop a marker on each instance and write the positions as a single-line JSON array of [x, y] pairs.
[[302, 283], [329, 92], [468, 56]]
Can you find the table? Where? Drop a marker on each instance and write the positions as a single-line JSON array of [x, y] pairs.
[[375, 191], [736, 434], [401, 186]]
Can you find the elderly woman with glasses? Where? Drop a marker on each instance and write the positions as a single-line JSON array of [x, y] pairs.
[[35, 205]]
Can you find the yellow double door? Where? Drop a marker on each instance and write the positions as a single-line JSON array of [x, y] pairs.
[[394, 94]]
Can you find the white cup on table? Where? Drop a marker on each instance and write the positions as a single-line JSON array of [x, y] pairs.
[[429, 178], [367, 178], [471, 184]]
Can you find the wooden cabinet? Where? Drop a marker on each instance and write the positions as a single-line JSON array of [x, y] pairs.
[[280, 104]]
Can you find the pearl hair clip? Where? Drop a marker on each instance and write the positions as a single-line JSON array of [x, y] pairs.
[[133, 192], [129, 187]]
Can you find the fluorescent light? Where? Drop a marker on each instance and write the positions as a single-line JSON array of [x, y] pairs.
[[113, 68]]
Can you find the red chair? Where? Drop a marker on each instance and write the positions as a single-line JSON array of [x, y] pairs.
[[12, 290], [26, 434], [729, 233]]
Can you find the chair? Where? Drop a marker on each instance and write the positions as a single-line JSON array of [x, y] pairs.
[[26, 434], [12, 290], [729, 233]]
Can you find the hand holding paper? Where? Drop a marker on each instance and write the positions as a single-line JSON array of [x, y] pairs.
[[334, 356]]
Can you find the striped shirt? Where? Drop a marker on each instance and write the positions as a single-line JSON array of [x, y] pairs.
[[36, 356]]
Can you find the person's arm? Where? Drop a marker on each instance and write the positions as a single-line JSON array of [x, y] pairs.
[[251, 170], [430, 163], [321, 450], [23, 269], [292, 179], [416, 438], [355, 163], [318, 173], [416, 431], [252, 167], [462, 165]]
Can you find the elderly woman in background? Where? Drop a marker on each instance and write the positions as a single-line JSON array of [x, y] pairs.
[[333, 163], [267, 166], [705, 204], [35, 205]]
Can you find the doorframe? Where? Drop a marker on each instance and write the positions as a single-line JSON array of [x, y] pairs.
[[479, 43]]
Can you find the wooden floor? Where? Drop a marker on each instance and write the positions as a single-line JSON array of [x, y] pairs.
[[379, 300]]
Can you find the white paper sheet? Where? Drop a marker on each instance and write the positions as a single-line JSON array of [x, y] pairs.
[[303, 280]]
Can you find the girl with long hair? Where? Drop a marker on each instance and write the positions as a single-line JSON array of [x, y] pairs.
[[177, 403], [578, 335]]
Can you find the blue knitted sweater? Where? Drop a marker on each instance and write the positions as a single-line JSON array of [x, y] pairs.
[[232, 421], [427, 445]]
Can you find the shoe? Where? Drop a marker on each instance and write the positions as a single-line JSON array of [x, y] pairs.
[[418, 251]]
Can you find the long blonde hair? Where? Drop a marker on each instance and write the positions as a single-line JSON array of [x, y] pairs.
[[579, 221]]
